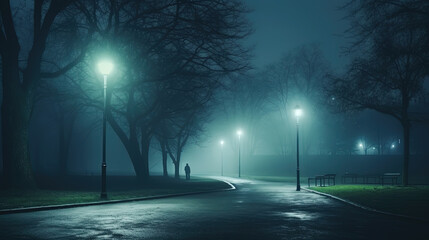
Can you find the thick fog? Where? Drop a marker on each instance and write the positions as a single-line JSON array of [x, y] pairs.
[[294, 46]]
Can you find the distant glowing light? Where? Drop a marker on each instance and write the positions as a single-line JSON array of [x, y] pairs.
[[360, 145], [298, 111], [393, 146], [105, 67], [239, 132], [221, 142]]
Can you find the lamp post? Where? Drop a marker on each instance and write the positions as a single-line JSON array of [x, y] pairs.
[[221, 156], [239, 132], [105, 67], [298, 113]]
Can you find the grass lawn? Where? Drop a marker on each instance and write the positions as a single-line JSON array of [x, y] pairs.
[[410, 200], [43, 197]]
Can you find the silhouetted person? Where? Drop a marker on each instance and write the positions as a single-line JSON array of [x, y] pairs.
[[188, 172]]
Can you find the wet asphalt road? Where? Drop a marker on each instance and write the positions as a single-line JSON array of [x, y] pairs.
[[256, 210]]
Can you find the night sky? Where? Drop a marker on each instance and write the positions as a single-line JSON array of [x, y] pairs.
[[280, 26]]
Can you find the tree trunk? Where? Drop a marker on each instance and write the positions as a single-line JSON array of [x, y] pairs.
[[139, 159], [164, 158], [62, 155], [16, 113], [136, 158], [65, 128], [145, 143], [177, 170], [177, 165], [406, 128], [61, 148]]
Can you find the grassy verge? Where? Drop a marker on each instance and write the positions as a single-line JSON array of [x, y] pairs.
[[43, 197], [411, 200]]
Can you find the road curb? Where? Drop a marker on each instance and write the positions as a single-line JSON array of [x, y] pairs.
[[364, 207], [72, 205]]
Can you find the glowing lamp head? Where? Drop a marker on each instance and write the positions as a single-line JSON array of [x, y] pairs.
[[298, 111], [105, 67], [221, 142], [360, 145], [393, 146], [239, 132]]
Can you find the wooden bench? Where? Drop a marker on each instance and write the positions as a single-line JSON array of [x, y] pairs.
[[311, 179], [322, 179], [393, 176], [329, 177], [360, 178], [352, 176], [374, 177], [318, 178]]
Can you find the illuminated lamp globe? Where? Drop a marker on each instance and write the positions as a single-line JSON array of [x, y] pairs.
[[105, 67]]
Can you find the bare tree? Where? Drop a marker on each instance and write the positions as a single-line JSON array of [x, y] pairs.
[[281, 76], [296, 79], [186, 127], [162, 138], [182, 52], [311, 67], [392, 66], [154, 39], [244, 106], [63, 98]]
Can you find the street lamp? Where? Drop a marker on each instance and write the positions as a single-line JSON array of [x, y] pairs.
[[221, 156], [363, 147], [239, 132], [105, 67], [298, 113]]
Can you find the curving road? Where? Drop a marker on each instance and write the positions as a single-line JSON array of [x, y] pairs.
[[256, 210]]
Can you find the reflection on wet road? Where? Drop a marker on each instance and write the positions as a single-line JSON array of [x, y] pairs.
[[256, 210]]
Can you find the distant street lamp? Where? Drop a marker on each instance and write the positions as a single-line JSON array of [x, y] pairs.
[[363, 147], [221, 156], [298, 113], [105, 67], [239, 132]]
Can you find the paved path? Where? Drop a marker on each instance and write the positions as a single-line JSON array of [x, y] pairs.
[[256, 210]]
